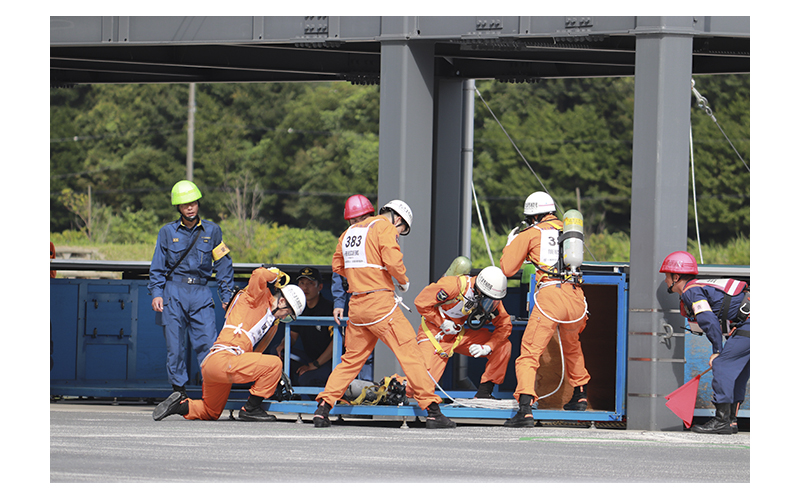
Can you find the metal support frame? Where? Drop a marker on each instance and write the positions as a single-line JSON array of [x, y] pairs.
[[659, 211], [405, 160]]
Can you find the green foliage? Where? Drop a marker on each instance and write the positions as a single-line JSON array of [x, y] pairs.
[[607, 247], [274, 244], [308, 146], [735, 252]]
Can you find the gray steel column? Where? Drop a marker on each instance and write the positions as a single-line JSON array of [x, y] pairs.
[[659, 211], [405, 162], [452, 187], [452, 174]]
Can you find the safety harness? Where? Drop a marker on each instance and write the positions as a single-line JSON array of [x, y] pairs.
[[463, 282], [731, 288], [554, 267]]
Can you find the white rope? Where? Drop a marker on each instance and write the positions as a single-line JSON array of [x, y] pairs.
[[702, 103], [558, 334], [480, 219], [501, 404], [694, 194], [585, 307], [397, 300], [558, 205]]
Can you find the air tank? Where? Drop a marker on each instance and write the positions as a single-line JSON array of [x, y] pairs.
[[572, 246]]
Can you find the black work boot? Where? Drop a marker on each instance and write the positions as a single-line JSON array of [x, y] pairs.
[[181, 389], [321, 415], [579, 402], [175, 404], [524, 417], [485, 391], [720, 424], [436, 419], [734, 421], [252, 411]]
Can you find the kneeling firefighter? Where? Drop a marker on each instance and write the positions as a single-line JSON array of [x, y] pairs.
[[233, 358], [455, 312]]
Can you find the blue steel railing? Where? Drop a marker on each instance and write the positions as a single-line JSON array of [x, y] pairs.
[[412, 410], [338, 344]]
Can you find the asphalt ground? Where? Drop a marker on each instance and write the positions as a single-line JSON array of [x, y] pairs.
[[105, 443]]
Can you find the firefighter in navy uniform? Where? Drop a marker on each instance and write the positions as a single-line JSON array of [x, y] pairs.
[[187, 252], [713, 304]]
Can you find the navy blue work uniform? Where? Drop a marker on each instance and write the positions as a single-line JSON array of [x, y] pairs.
[[703, 300], [188, 303]]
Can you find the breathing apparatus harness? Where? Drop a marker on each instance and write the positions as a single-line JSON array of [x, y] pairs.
[[389, 391], [570, 247], [478, 309]]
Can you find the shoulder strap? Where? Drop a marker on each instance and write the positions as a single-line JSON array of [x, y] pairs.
[[463, 282], [723, 313], [183, 256]]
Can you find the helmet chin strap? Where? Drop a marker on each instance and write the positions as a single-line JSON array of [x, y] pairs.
[[669, 288]]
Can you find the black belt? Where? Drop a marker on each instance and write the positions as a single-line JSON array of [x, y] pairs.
[[189, 280], [741, 333]]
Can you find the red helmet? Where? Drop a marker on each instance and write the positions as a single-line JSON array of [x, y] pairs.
[[356, 206], [679, 262]]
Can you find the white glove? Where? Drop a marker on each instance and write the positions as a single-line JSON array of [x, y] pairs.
[[449, 328], [403, 288], [477, 350]]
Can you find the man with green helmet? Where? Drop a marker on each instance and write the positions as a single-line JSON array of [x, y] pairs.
[[187, 252]]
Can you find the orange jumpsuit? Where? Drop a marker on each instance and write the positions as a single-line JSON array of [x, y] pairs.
[[52, 256], [561, 301], [368, 255], [445, 299], [231, 359]]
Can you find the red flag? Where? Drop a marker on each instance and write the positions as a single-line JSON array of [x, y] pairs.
[[682, 400]]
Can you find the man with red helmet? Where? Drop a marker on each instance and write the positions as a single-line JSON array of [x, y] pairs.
[[714, 304], [369, 255], [356, 209]]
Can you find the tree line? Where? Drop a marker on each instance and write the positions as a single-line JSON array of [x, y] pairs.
[[289, 154]]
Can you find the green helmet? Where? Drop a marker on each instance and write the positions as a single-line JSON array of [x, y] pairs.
[[185, 192]]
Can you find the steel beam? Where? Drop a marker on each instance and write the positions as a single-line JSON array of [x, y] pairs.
[[405, 160], [659, 210]]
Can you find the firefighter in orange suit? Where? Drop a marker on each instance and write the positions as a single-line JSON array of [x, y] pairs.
[[232, 359], [559, 305], [368, 254], [454, 311]]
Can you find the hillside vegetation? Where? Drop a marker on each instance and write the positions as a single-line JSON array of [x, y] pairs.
[[275, 163]]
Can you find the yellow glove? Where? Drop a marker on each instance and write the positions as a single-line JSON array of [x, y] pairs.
[[282, 280]]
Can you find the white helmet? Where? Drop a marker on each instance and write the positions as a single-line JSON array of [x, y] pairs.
[[539, 203], [492, 283], [295, 297], [403, 210]]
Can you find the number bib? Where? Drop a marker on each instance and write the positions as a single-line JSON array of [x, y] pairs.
[[548, 250], [354, 249]]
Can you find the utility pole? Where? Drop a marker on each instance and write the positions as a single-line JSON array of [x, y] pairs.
[[190, 141]]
